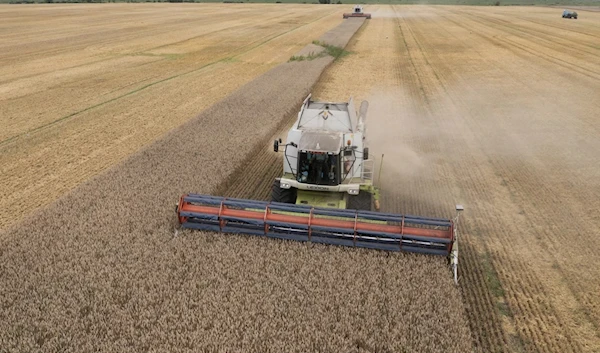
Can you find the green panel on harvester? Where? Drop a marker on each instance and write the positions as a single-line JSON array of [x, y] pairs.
[[322, 199]]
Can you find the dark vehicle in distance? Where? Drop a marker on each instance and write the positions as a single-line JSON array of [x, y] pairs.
[[569, 14]]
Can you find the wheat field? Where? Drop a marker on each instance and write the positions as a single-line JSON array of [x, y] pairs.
[[106, 126]]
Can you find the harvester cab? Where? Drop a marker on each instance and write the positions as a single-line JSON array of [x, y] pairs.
[[326, 161], [325, 194], [357, 12]]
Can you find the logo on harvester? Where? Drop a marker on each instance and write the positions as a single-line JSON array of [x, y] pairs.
[[315, 187]]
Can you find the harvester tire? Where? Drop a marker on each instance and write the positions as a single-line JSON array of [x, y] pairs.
[[363, 201], [278, 194]]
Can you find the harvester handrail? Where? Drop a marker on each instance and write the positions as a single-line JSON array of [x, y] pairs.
[[371, 215]]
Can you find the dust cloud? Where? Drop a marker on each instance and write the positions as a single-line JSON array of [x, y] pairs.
[[428, 141], [412, 140], [391, 128], [399, 12]]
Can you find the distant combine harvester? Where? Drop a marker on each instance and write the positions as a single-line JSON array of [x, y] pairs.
[[357, 12]]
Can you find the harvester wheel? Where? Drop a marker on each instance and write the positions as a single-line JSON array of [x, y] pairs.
[[279, 194], [363, 201]]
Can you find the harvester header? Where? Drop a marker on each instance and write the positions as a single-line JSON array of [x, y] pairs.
[[366, 229]]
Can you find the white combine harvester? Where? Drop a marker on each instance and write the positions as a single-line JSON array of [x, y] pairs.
[[357, 11], [326, 194], [326, 160]]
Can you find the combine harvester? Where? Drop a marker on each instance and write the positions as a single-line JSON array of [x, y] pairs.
[[357, 12], [326, 194]]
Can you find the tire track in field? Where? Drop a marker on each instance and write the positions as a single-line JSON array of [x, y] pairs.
[[558, 246], [529, 85], [540, 290], [486, 228], [476, 293], [479, 306], [546, 36], [108, 39], [571, 66], [487, 338], [510, 44], [482, 33], [438, 76], [545, 40], [562, 28], [169, 25], [574, 244], [418, 201], [69, 116], [134, 36]]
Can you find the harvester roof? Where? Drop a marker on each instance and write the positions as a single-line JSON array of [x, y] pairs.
[[328, 116]]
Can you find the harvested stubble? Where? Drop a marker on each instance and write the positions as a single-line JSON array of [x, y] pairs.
[[470, 106], [82, 81], [102, 269]]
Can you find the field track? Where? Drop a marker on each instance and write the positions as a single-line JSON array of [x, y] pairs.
[[95, 83]]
